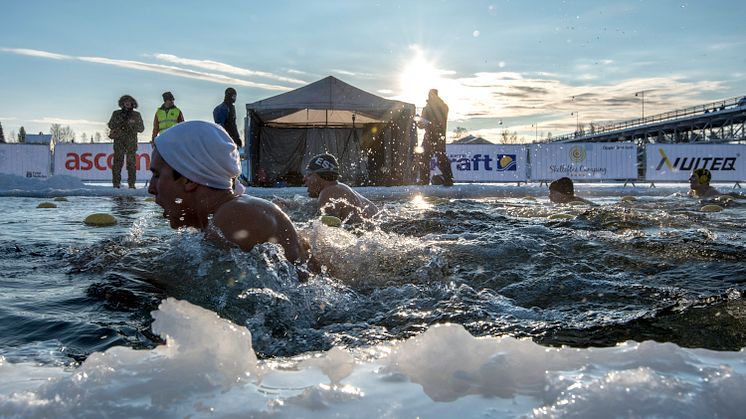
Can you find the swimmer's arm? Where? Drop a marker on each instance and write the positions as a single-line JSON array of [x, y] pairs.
[[330, 202], [245, 226]]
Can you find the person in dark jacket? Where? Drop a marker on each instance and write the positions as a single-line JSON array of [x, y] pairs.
[[225, 115], [433, 120], [124, 125]]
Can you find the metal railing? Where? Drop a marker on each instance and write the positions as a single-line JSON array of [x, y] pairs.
[[701, 110]]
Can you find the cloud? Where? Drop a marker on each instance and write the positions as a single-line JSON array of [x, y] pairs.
[[8, 118], [156, 68], [37, 53], [224, 68], [63, 121]]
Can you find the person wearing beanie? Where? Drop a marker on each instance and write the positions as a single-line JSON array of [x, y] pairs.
[[124, 125], [194, 168], [225, 115], [434, 120], [167, 115], [335, 198]]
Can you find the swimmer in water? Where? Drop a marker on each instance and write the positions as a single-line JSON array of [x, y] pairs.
[[562, 191], [699, 184], [194, 168], [335, 198]]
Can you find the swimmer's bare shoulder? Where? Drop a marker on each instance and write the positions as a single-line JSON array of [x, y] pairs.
[[248, 221]]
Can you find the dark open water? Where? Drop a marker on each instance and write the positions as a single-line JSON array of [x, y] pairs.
[[656, 269]]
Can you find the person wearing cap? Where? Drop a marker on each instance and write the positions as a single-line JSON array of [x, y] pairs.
[[167, 115], [124, 125], [194, 169], [225, 115], [562, 191], [699, 184], [335, 198], [434, 119]]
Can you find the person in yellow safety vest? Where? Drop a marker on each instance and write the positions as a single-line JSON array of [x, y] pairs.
[[167, 115]]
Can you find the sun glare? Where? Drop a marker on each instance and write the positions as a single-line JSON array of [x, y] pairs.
[[417, 78]]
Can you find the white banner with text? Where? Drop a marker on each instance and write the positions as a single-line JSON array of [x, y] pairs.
[[589, 161], [487, 162], [93, 161], [675, 162], [27, 160]]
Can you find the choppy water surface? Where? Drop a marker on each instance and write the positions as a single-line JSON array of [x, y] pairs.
[[655, 269]]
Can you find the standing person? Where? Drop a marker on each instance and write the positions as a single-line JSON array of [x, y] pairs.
[[124, 125], [225, 115], [433, 120], [167, 115]]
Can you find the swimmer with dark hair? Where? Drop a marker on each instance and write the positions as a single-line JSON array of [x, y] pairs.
[[699, 184], [562, 191]]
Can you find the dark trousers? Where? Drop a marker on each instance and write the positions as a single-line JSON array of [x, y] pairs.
[[441, 160], [124, 148]]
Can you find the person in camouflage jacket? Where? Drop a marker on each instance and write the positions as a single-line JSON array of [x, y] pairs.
[[124, 125]]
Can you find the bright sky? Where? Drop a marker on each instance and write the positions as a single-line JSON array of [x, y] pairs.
[[498, 64]]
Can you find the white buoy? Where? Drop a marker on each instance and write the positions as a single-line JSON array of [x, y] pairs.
[[100, 219]]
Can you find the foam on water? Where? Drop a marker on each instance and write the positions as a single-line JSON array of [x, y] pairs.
[[208, 367], [384, 330]]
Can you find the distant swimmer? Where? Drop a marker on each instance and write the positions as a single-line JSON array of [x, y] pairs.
[[335, 198], [699, 184], [194, 169], [562, 191]]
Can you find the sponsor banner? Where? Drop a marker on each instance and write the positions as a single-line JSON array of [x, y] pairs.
[[93, 161], [675, 162], [584, 161], [486, 163], [27, 160]]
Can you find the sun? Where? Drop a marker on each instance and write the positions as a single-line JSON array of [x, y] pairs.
[[417, 78]]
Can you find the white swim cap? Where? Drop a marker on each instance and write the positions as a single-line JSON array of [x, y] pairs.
[[202, 152]]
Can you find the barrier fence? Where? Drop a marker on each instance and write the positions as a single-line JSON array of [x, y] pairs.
[[469, 163]]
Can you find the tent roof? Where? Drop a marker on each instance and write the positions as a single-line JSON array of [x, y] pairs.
[[329, 101], [470, 139]]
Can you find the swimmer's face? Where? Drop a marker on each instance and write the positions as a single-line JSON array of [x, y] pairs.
[[168, 192], [694, 182], [314, 184]]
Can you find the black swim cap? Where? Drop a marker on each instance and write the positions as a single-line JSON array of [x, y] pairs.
[[323, 163]]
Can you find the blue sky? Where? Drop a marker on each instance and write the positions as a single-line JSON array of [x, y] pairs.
[[498, 64]]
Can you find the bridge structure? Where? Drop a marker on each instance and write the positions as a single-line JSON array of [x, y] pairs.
[[715, 122]]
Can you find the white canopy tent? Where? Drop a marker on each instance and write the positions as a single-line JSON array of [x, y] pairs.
[[373, 138]]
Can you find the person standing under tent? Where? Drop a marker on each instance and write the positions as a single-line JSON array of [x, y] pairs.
[[124, 125], [434, 119], [167, 115], [225, 116]]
